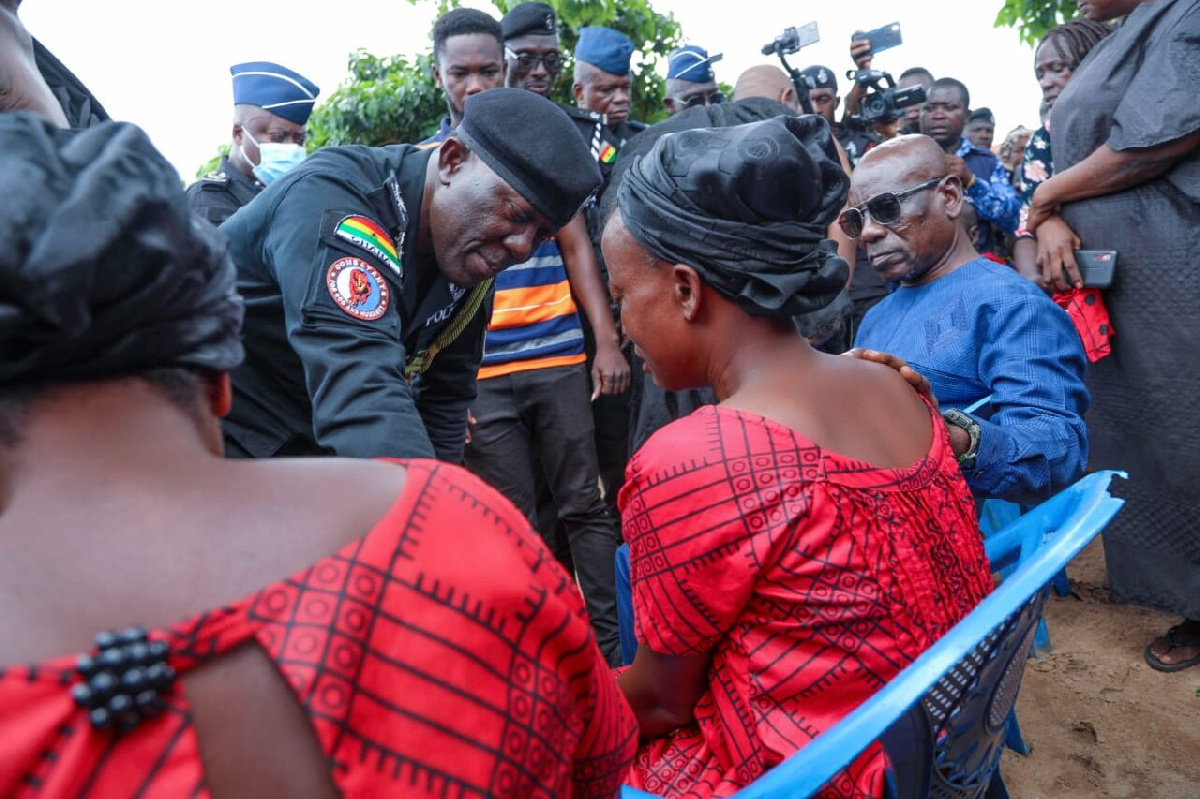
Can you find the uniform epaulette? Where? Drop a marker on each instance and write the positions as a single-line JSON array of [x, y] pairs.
[[213, 180]]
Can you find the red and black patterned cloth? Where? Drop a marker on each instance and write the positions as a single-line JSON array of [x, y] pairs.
[[425, 671], [812, 577]]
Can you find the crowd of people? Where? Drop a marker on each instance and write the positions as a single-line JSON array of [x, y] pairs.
[[557, 451]]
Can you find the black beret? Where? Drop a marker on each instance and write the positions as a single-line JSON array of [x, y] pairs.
[[529, 18], [533, 146], [103, 270]]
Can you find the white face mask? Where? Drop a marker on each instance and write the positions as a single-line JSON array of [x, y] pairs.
[[275, 160]]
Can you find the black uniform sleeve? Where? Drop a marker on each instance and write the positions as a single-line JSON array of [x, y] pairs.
[[211, 201], [352, 353], [448, 387]]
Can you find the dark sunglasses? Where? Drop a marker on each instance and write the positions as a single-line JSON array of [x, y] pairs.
[[884, 208], [527, 62], [697, 100]]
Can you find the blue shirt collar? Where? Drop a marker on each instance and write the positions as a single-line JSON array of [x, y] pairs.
[[965, 148]]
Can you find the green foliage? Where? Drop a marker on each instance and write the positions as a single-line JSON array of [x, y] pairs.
[[394, 99], [211, 164], [384, 101], [1033, 18]]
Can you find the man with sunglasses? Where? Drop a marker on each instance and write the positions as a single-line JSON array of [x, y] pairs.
[[690, 79], [531, 48], [975, 329]]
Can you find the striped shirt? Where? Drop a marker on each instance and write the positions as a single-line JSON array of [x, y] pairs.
[[535, 324]]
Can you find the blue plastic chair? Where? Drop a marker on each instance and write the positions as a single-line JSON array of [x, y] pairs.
[[943, 719]]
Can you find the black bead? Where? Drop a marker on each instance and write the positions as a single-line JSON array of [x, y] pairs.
[[103, 684], [139, 654], [133, 680], [159, 675], [86, 665], [82, 694], [121, 703], [106, 639], [150, 703], [100, 718], [158, 650], [110, 659], [133, 635]]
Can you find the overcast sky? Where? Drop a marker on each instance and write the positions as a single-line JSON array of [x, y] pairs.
[[164, 64]]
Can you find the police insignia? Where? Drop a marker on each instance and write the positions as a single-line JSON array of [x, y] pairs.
[[358, 288], [368, 235], [608, 154]]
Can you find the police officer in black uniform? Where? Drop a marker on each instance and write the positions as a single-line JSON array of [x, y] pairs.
[[271, 106], [603, 99], [367, 272]]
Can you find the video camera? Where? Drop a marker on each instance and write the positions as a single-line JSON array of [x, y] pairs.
[[882, 100]]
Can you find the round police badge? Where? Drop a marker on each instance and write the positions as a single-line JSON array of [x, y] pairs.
[[358, 288]]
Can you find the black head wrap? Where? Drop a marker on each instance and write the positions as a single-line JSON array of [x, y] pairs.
[[103, 271], [748, 208]]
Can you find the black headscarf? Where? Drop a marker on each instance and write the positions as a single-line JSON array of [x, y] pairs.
[[748, 208], [103, 270]]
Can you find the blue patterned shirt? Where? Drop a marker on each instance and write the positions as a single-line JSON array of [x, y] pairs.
[[981, 331], [993, 194]]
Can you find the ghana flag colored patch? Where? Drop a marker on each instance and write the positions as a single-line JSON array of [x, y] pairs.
[[368, 235], [608, 154]]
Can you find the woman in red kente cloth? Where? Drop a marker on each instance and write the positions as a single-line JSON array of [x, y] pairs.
[[307, 627], [798, 544]]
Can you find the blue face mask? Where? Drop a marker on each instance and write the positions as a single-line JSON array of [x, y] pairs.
[[274, 160]]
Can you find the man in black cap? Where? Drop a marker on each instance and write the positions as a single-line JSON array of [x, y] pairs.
[[468, 58], [532, 427], [823, 94], [367, 275], [271, 106], [531, 48]]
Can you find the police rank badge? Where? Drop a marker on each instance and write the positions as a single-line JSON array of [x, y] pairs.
[[367, 235], [358, 288]]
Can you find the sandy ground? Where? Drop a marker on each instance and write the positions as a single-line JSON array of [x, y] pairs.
[[1099, 721]]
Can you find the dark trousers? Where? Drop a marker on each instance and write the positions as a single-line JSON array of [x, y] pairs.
[[541, 419]]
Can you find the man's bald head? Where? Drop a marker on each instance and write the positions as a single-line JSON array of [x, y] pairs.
[[769, 82], [914, 158], [927, 235]]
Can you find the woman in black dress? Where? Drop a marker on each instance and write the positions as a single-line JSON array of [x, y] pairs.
[[1125, 134]]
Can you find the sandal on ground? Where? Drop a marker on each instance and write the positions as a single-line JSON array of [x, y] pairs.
[[1177, 638]]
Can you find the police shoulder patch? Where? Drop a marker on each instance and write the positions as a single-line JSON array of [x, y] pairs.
[[368, 235], [358, 288]]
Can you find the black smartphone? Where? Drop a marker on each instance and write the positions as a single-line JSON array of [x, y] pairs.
[[881, 38], [1096, 267]]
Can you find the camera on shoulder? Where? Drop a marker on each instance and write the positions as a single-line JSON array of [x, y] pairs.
[[882, 101]]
